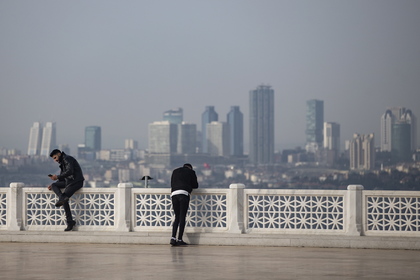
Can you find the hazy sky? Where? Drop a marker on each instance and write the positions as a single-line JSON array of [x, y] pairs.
[[121, 64]]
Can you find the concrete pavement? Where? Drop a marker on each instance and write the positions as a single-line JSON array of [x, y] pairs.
[[131, 261]]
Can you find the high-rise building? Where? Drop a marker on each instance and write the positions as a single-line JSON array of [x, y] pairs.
[[175, 116], [387, 120], [48, 139], [410, 118], [93, 138], [261, 125], [35, 138], [218, 139], [314, 124], [332, 136], [235, 119], [362, 152], [187, 143], [208, 116], [397, 115], [131, 144], [331, 143], [401, 141], [163, 137]]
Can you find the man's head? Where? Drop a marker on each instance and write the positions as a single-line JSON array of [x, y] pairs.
[[188, 165], [55, 154]]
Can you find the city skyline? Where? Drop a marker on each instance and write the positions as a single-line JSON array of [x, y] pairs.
[[186, 135], [76, 67]]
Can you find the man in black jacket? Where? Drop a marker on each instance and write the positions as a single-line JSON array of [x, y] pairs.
[[70, 179], [183, 181]]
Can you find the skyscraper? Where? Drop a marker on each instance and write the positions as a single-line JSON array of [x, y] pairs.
[[35, 138], [314, 124], [163, 137], [208, 116], [187, 136], [362, 152], [410, 118], [218, 139], [93, 138], [261, 125], [235, 120], [397, 115], [401, 141], [175, 116], [387, 120], [332, 136], [331, 143], [48, 139]]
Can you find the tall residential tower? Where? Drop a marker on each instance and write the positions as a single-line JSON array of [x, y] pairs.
[[362, 152], [35, 138], [49, 137]]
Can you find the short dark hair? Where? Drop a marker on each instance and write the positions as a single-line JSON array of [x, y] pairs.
[[54, 152], [188, 165]]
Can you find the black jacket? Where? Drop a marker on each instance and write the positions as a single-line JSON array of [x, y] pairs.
[[70, 169], [183, 178]]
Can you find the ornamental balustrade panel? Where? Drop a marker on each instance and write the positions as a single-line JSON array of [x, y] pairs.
[[391, 212], [299, 211], [3, 208], [92, 208], [351, 212], [153, 210]]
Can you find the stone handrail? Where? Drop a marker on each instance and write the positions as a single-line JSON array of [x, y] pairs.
[[353, 212]]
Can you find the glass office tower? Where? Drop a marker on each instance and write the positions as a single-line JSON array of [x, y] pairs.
[[401, 141], [261, 125], [314, 124], [93, 138], [175, 116], [235, 119]]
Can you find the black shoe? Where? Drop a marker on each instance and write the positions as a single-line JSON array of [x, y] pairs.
[[70, 226], [62, 201], [173, 242], [181, 243]]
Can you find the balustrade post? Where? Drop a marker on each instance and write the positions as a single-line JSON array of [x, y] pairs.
[[236, 208], [122, 207], [14, 207], [354, 210]]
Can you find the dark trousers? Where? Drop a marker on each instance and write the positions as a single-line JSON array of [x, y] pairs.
[[180, 204], [68, 191]]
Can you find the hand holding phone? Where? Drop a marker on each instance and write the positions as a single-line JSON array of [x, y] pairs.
[[49, 175]]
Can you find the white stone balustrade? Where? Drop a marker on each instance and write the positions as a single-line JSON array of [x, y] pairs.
[[351, 212]]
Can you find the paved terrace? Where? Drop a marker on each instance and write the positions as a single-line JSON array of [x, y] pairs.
[[235, 233], [122, 261]]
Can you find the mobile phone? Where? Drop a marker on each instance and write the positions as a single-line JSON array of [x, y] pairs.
[[49, 175]]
